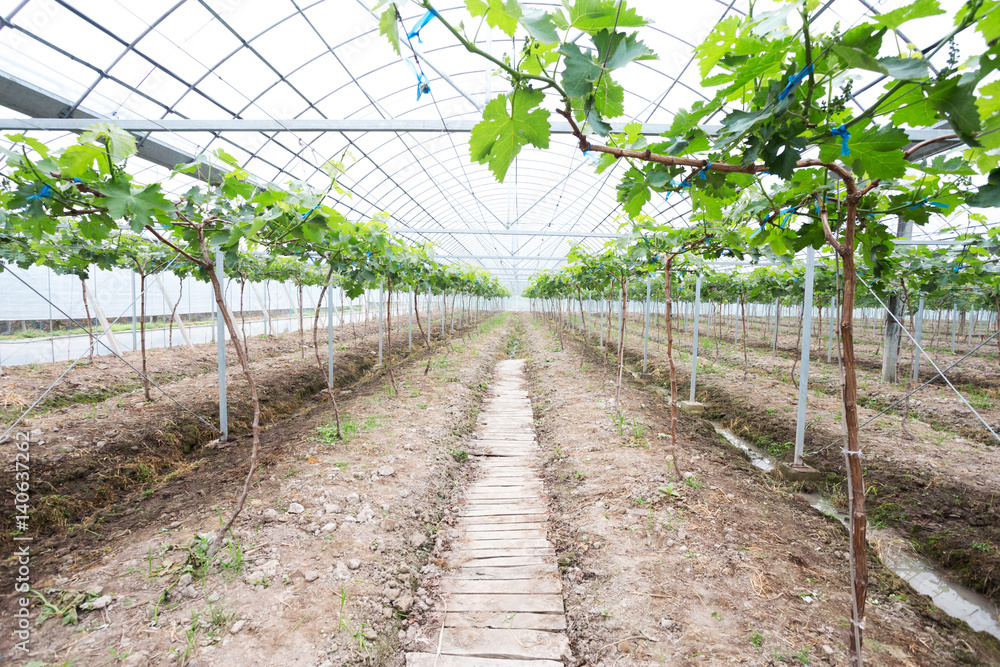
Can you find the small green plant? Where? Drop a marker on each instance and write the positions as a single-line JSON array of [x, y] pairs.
[[694, 482], [290, 473], [422, 405], [756, 638], [619, 420], [985, 547], [716, 615], [639, 430], [460, 455]]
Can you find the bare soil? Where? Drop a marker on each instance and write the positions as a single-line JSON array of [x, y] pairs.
[[725, 567], [330, 584], [937, 491]]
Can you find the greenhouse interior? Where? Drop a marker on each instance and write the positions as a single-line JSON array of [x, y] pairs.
[[492, 333]]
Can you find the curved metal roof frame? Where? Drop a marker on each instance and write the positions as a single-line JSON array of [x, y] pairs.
[[200, 59]]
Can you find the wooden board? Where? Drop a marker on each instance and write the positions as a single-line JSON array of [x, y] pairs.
[[509, 644], [512, 620], [549, 585], [433, 660]]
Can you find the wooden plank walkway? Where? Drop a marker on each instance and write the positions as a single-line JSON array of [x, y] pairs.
[[502, 593]]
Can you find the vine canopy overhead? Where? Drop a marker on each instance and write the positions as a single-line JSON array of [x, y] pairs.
[[507, 186]]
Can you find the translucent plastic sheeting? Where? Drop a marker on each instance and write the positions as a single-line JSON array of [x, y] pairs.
[[113, 289]]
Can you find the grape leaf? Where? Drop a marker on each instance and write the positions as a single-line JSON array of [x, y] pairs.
[[989, 194], [598, 124], [633, 192], [389, 26], [139, 207], [539, 25], [119, 143], [579, 72], [609, 99], [718, 43], [875, 152], [33, 143], [78, 159], [592, 16], [915, 10], [498, 13], [858, 59], [617, 50], [509, 123], [905, 68], [957, 102]]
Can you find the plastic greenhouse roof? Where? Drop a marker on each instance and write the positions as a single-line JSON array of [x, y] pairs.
[[324, 59]]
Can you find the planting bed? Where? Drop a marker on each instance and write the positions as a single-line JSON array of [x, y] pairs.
[[121, 516], [727, 566]]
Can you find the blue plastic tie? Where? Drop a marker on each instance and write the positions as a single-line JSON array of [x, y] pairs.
[[306, 215], [795, 81], [46, 192], [423, 86], [431, 13], [936, 204], [701, 174], [845, 136]]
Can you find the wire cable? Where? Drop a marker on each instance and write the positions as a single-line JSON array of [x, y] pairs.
[[97, 339]]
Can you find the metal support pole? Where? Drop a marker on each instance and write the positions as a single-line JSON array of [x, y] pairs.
[[380, 317], [807, 307], [444, 307], [220, 272], [918, 324], [329, 337], [409, 314], [428, 316], [645, 333], [694, 346]]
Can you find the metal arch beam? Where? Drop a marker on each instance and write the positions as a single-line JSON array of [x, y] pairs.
[[45, 109], [25, 98], [55, 123], [520, 232], [536, 258]]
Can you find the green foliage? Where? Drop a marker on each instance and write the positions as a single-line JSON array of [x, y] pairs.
[[509, 123]]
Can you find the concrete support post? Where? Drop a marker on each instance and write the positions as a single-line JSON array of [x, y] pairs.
[[132, 280], [918, 324], [220, 263], [645, 333], [694, 346], [807, 306], [954, 325], [829, 342], [381, 316], [329, 336], [108, 333]]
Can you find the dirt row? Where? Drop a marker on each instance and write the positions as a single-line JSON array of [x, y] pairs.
[[323, 567], [936, 491], [724, 567], [90, 382]]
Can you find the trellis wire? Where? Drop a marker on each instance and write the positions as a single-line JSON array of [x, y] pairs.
[[95, 341], [939, 373], [919, 347]]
